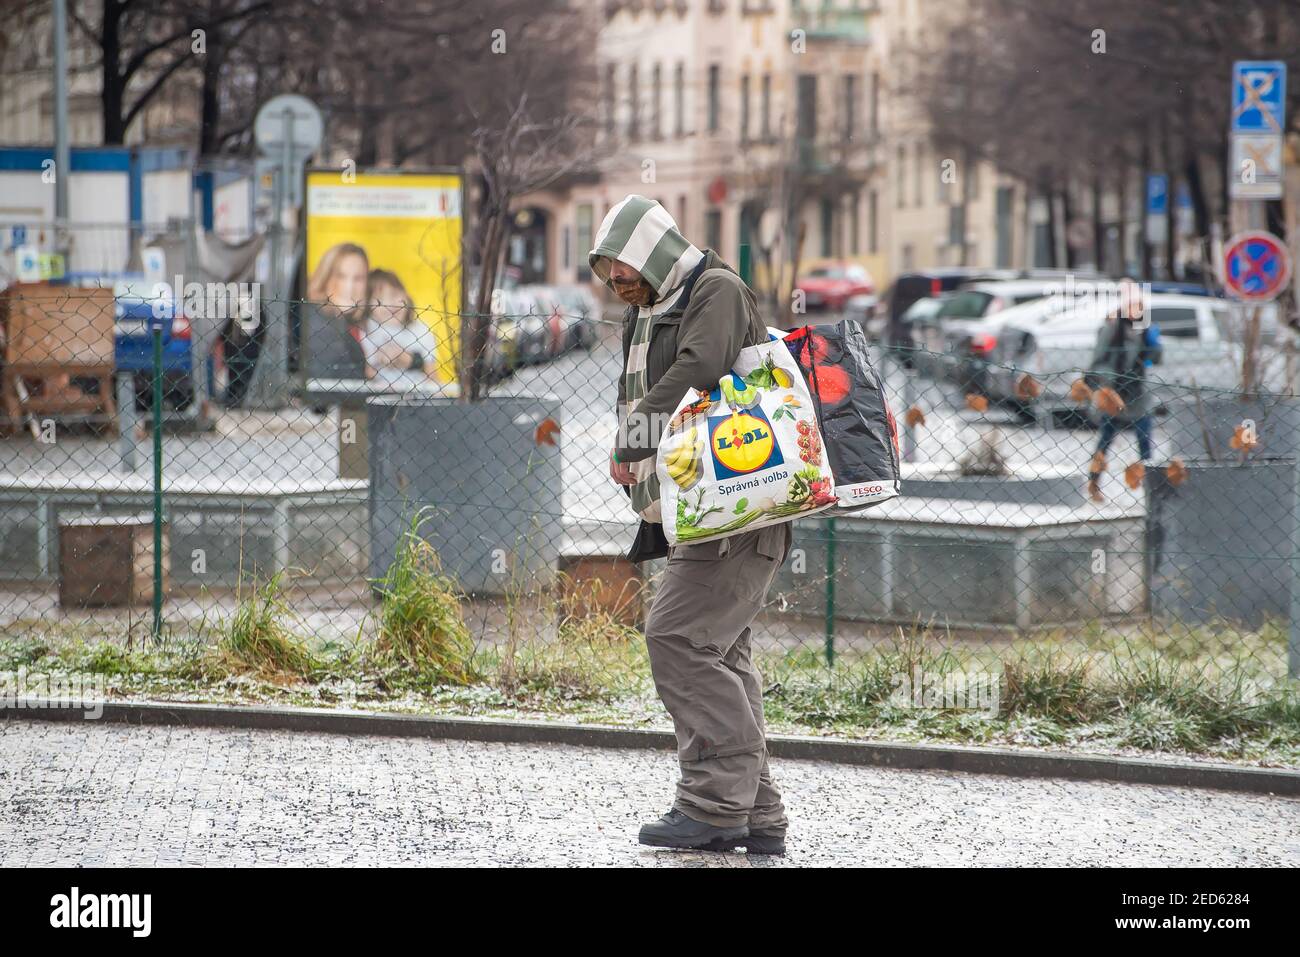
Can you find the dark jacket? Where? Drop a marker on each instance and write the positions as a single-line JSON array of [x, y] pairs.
[[692, 345], [1120, 361], [331, 350]]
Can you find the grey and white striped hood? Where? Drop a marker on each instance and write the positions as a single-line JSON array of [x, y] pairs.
[[640, 233]]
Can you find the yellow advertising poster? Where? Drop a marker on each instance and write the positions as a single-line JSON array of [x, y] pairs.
[[383, 283]]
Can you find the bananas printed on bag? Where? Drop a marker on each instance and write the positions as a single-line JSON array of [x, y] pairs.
[[685, 463]]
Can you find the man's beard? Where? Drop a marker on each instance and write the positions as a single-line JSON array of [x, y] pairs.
[[639, 295]]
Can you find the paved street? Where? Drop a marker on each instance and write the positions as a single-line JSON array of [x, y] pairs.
[[99, 794]]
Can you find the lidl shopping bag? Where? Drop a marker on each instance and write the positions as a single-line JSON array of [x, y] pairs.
[[852, 412], [746, 454]]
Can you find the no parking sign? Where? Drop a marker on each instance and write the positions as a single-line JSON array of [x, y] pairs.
[[1256, 266]]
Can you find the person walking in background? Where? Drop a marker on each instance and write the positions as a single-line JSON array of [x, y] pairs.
[[400, 348], [334, 321], [688, 317], [1128, 343]]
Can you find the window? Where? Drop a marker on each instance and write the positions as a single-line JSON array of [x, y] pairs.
[[744, 108], [713, 229], [900, 177], [633, 103], [920, 174], [828, 226], [957, 225], [679, 98], [767, 106], [714, 75], [805, 127], [875, 104], [850, 106], [585, 216], [1175, 323], [656, 103], [855, 232], [611, 98], [873, 222]]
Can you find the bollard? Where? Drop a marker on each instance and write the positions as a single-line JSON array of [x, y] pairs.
[[830, 592], [127, 419], [157, 479], [1293, 631]]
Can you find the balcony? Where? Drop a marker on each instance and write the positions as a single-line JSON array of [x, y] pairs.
[[834, 158], [834, 24]]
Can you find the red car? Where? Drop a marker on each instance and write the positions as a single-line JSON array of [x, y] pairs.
[[830, 286]]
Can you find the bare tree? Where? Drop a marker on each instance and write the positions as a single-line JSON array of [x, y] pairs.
[[532, 128]]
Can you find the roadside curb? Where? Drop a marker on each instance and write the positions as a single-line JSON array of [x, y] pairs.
[[913, 757]]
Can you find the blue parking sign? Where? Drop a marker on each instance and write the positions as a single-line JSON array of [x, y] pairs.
[[1258, 96]]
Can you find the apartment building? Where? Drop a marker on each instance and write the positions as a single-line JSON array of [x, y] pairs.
[[739, 116], [790, 125]]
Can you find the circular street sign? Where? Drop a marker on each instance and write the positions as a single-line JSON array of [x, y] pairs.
[[296, 114], [1256, 266]]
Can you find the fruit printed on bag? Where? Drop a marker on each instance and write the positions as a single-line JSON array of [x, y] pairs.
[[727, 461], [686, 460]]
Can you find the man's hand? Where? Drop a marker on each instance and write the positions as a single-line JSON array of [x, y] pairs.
[[620, 473]]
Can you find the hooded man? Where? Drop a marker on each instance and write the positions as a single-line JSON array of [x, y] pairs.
[[689, 316]]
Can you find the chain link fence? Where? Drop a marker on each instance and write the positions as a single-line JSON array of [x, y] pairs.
[[376, 538]]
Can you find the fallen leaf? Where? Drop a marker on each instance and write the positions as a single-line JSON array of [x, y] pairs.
[[1134, 474], [1108, 401], [1098, 463], [1176, 472], [1027, 388], [977, 402], [1244, 439], [914, 417], [546, 432], [1079, 391]]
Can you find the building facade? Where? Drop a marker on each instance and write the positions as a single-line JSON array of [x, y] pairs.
[[788, 126]]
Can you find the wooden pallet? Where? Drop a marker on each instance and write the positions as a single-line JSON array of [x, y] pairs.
[[52, 334]]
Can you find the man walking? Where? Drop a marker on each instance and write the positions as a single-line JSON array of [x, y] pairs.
[[689, 316]]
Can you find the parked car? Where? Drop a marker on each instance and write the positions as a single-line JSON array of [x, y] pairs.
[[831, 285], [920, 341], [1056, 349], [907, 288], [583, 309]]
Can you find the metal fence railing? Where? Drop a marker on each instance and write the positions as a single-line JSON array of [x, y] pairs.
[[376, 530]]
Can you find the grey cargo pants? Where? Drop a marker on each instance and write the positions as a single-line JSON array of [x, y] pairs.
[[698, 633]]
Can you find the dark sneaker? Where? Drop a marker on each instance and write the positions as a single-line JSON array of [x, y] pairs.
[[675, 829]]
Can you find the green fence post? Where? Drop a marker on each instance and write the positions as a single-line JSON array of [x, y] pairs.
[[746, 265], [157, 480], [830, 591]]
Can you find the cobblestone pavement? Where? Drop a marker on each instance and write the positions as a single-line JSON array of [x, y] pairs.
[[100, 794]]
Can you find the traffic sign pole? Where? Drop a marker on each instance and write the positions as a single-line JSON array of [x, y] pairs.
[[288, 129]]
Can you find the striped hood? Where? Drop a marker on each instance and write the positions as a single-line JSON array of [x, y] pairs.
[[640, 233]]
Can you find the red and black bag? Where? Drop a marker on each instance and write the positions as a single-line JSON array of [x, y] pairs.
[[856, 423]]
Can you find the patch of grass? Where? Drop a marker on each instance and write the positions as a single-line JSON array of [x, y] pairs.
[[258, 640], [18, 652], [422, 634], [595, 656], [1053, 688]]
